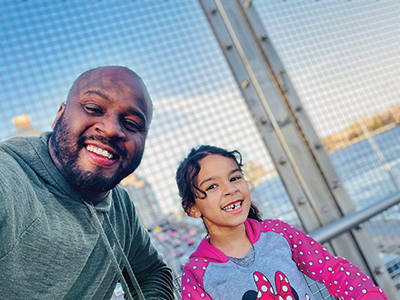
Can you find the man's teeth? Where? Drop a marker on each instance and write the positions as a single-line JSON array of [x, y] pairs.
[[99, 151], [233, 206]]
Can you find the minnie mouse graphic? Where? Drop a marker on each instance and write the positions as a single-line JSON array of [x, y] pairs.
[[266, 291]]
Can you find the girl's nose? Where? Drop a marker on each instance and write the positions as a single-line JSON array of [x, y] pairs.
[[230, 189]]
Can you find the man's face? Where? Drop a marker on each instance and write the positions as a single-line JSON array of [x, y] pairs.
[[99, 135]]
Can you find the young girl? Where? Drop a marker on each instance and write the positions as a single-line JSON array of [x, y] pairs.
[[244, 257]]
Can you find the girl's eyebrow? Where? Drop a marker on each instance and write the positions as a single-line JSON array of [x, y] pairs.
[[213, 177], [235, 170], [206, 180]]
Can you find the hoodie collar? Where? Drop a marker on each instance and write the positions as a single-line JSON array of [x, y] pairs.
[[206, 250], [105, 204]]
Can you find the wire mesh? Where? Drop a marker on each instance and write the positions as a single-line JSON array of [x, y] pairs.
[[340, 55], [170, 46]]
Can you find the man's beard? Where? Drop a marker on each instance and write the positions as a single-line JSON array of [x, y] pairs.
[[67, 154]]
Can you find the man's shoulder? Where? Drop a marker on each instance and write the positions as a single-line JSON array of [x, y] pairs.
[[20, 149], [21, 144], [18, 155]]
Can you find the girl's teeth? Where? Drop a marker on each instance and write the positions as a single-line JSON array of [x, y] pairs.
[[233, 206]]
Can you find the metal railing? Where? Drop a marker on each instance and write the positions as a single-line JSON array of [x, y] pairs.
[[354, 219]]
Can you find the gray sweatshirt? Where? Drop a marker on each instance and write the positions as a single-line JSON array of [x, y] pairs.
[[56, 245]]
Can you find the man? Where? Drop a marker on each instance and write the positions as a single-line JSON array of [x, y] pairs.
[[67, 230]]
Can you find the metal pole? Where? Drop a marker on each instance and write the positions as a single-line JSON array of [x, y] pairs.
[[354, 219]]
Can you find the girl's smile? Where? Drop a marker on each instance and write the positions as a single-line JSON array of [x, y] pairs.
[[234, 208]]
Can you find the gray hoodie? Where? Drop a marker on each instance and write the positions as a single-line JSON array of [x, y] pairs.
[[56, 245]]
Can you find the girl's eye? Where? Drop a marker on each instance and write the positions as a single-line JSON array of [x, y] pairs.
[[236, 178], [211, 187], [94, 110]]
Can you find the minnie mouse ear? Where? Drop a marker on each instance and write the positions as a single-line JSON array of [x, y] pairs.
[[250, 295]]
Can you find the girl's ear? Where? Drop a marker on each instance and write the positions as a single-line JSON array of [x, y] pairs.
[[194, 212]]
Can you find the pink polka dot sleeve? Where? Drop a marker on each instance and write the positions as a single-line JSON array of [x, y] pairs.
[[342, 279], [192, 279]]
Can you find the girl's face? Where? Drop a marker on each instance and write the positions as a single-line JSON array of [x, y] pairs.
[[227, 203]]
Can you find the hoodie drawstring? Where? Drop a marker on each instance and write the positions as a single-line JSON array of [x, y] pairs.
[[126, 263]]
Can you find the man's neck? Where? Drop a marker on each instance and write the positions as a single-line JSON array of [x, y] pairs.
[[94, 198]]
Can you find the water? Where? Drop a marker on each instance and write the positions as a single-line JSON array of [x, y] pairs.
[[362, 174]]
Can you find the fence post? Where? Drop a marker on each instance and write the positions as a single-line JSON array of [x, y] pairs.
[[300, 158]]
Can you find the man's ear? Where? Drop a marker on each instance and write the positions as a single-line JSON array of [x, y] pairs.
[[59, 113], [194, 212]]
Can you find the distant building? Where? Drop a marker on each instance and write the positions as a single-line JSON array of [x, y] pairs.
[[145, 201], [383, 120], [24, 127]]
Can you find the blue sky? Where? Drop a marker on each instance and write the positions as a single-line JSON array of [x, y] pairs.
[[46, 44], [342, 57]]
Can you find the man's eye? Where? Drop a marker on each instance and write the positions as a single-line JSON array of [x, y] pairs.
[[131, 125], [94, 110], [211, 187]]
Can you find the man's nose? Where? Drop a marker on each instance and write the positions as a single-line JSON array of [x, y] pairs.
[[111, 127]]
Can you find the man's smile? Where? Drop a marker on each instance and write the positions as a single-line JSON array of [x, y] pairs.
[[100, 151], [101, 156]]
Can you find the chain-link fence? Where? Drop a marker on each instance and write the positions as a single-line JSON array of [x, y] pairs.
[[341, 56]]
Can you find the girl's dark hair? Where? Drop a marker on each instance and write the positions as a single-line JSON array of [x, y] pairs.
[[189, 168]]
